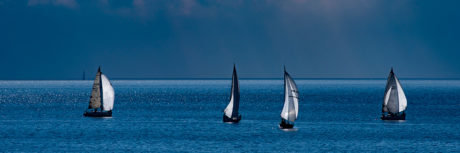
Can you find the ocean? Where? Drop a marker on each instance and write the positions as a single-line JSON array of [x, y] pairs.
[[340, 115]]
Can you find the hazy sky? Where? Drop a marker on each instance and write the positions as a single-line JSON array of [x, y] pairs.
[[59, 39]]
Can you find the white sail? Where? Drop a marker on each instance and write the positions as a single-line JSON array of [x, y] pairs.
[[291, 99], [108, 94], [231, 110], [401, 96], [387, 97], [395, 100]]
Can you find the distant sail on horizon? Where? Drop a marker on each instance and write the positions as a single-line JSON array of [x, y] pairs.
[[291, 99], [395, 100], [231, 111], [291, 102], [102, 97], [83, 76]]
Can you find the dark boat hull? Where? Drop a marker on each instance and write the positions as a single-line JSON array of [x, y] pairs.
[[286, 125], [394, 117], [98, 114], [231, 120]]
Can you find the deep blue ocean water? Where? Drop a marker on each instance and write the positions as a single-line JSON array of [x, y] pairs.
[[186, 116]]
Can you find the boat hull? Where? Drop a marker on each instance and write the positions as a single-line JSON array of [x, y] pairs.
[[231, 120], [286, 124], [394, 117], [98, 114]]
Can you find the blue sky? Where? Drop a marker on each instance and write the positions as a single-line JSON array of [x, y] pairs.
[[59, 39]]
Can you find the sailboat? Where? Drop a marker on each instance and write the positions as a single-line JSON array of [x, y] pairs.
[[231, 111], [291, 102], [83, 76], [394, 102], [102, 97]]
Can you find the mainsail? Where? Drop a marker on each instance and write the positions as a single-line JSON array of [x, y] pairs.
[[231, 110], [95, 100], [395, 100], [291, 99]]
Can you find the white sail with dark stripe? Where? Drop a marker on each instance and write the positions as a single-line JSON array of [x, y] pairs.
[[291, 99]]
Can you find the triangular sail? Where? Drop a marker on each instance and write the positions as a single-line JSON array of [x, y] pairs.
[[291, 99], [95, 100], [231, 110], [395, 100], [108, 94], [401, 96]]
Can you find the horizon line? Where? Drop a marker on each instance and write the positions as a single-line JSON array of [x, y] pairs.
[[204, 78]]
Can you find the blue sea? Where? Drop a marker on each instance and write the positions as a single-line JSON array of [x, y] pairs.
[[186, 116]]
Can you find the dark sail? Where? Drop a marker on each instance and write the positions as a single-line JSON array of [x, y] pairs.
[[95, 101], [232, 109], [236, 93]]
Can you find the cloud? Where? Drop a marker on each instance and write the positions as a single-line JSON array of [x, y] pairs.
[[136, 8], [142, 9], [139, 7], [187, 6], [64, 3], [146, 9], [104, 2]]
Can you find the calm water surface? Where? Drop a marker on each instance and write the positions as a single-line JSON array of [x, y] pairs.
[[186, 116]]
